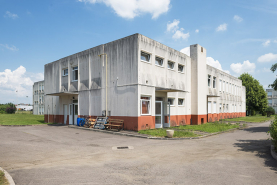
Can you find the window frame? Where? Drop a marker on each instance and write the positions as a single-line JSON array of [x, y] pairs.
[[162, 59], [182, 68], [209, 80], [148, 100], [173, 103], [146, 53], [214, 82], [209, 107], [169, 61], [73, 74], [183, 103], [64, 71]]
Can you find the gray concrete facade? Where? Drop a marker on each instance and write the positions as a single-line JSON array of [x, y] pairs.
[[38, 98]]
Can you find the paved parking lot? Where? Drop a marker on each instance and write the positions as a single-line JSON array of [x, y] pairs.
[[61, 155]]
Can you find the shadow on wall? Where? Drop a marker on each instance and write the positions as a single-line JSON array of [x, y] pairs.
[[262, 150]]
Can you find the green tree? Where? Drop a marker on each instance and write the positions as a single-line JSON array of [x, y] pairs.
[[274, 84], [256, 97]]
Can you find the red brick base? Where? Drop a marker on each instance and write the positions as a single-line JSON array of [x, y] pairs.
[[148, 122]]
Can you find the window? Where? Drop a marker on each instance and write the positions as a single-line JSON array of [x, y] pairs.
[[145, 105], [180, 101], [227, 86], [220, 105], [209, 80], [170, 65], [42, 87], [223, 88], [145, 57], [75, 73], [214, 82], [223, 110], [270, 101], [65, 72], [220, 82], [269, 93], [159, 61], [226, 107], [209, 107], [171, 101], [214, 108], [180, 68]]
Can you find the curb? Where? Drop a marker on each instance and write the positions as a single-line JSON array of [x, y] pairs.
[[8, 177], [58, 124], [151, 137], [273, 153]]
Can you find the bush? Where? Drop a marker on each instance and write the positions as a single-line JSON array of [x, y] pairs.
[[10, 110], [253, 113], [269, 111], [273, 132]]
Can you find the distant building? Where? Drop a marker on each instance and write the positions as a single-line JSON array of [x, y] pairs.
[[38, 98], [272, 98], [24, 107]]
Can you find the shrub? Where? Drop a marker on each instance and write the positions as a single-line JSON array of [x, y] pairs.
[[269, 111], [273, 132], [253, 113], [10, 110]]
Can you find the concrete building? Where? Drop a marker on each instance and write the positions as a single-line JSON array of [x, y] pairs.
[[146, 82], [272, 98], [38, 98]]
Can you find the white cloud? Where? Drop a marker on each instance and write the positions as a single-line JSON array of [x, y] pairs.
[[238, 18], [180, 34], [246, 67], [222, 27], [17, 80], [197, 31], [270, 57], [215, 63], [266, 43], [131, 8], [275, 41], [12, 48], [173, 26], [10, 15], [186, 51]]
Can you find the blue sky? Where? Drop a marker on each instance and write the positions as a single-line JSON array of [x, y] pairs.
[[239, 35]]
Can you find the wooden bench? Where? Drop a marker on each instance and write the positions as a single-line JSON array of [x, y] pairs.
[[90, 122], [114, 123]]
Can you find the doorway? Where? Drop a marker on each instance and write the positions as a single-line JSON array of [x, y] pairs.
[[159, 114], [64, 113]]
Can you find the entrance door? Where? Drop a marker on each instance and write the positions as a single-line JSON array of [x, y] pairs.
[[159, 114], [70, 114], [64, 113], [75, 106]]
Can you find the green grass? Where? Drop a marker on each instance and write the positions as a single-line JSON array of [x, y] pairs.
[[208, 127], [252, 119], [162, 133], [21, 119], [24, 112], [3, 180]]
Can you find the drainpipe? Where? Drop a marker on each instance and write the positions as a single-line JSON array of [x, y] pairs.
[[106, 81]]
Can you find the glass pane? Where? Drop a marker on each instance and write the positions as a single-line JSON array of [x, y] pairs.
[[159, 61], [70, 106], [158, 108], [145, 107], [145, 56], [158, 119], [180, 68], [76, 109]]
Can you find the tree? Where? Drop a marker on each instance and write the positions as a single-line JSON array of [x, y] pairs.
[[269, 111], [256, 97], [274, 84]]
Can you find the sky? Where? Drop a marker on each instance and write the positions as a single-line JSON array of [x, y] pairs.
[[239, 35]]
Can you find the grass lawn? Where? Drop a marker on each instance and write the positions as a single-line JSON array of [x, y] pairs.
[[21, 119], [3, 180], [208, 127], [253, 119], [162, 133]]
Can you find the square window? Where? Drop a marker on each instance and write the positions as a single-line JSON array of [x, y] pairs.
[[145, 56], [180, 68], [180, 101], [65, 72], [171, 101], [159, 61], [145, 105], [75, 73], [170, 65]]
